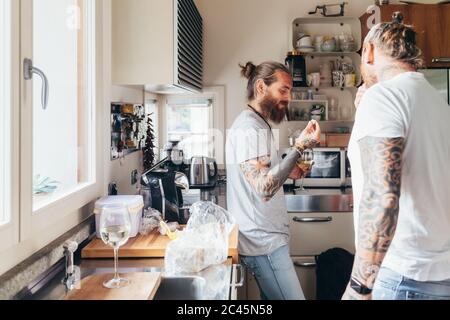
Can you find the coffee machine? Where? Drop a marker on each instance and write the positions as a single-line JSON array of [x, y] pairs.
[[162, 186]]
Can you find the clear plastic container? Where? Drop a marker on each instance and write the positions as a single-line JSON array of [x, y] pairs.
[[134, 203]]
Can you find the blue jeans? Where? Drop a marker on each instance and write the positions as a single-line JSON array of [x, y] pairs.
[[393, 286], [275, 275]]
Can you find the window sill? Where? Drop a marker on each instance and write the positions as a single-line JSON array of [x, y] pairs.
[[41, 202]]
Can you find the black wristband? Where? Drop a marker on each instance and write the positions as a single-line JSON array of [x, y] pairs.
[[356, 285]]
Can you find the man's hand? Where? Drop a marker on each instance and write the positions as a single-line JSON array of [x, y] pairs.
[[351, 294], [296, 173], [310, 137], [361, 91]]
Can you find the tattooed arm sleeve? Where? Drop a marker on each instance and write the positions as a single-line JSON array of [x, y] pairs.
[[266, 181], [378, 213]]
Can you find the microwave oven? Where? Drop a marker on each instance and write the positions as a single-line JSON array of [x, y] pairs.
[[331, 169]]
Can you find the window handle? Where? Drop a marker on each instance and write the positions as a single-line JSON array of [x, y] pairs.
[[28, 71]]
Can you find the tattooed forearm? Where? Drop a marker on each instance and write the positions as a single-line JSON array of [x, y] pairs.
[[308, 144], [379, 207], [266, 181]]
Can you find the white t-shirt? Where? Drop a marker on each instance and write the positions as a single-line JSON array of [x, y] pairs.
[[263, 226], [408, 106]]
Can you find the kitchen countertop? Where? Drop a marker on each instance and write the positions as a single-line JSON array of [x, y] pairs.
[[218, 278], [53, 289]]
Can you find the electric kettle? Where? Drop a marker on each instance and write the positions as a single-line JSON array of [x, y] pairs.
[[201, 172]]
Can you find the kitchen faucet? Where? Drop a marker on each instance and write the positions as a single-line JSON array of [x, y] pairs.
[[71, 278]]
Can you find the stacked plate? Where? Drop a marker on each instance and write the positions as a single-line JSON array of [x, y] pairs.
[[305, 49]]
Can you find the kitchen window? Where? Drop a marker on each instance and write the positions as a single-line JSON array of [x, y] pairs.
[[51, 98], [189, 120], [63, 133], [198, 121], [9, 124]]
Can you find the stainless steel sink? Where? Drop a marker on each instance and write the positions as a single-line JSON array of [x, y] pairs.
[[181, 288], [320, 200]]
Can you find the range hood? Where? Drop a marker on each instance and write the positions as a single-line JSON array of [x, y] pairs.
[[168, 35]]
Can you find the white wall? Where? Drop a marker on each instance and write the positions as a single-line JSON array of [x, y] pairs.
[[237, 31], [118, 171]]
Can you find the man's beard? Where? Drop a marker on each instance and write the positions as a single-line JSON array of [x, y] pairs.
[[270, 109]]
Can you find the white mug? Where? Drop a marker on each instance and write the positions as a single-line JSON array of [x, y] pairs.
[[350, 80], [313, 80], [304, 42], [318, 43]]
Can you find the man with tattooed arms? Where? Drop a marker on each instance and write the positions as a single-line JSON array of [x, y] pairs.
[[399, 153], [255, 178]]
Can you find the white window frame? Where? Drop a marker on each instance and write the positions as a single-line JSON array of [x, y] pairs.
[[67, 205], [217, 94], [9, 235]]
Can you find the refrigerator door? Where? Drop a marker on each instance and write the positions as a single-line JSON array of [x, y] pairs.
[[439, 78]]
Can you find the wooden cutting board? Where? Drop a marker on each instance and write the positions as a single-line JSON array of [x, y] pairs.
[[150, 246], [143, 286]]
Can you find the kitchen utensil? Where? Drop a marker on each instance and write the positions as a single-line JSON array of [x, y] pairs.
[[318, 43], [314, 80], [338, 78], [325, 73], [350, 80], [333, 109], [304, 49], [317, 112], [115, 227], [347, 67], [325, 10], [347, 43], [305, 42], [329, 44]]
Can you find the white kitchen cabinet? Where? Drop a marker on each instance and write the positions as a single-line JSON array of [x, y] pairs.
[[311, 234], [158, 44], [305, 267], [306, 272], [315, 232]]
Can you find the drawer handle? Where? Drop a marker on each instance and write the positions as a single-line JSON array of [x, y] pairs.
[[313, 220], [241, 272], [441, 60], [305, 264]]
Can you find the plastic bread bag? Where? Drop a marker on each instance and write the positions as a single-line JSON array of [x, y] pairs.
[[204, 212], [150, 221], [196, 249], [218, 282]]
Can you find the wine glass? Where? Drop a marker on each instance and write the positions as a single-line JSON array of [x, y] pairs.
[[115, 228], [305, 163]]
